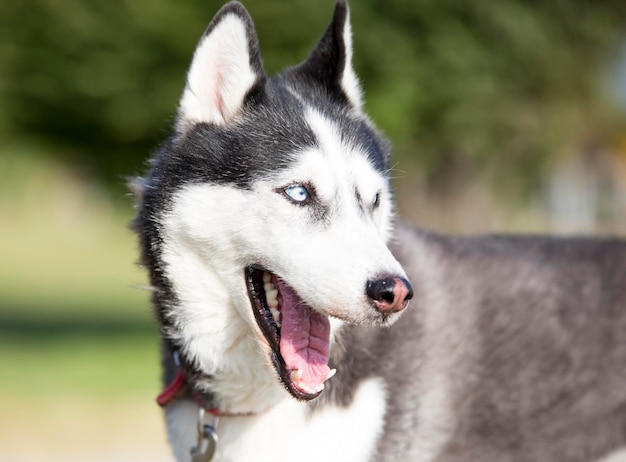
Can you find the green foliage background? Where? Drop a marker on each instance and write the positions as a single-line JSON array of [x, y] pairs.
[[496, 85]]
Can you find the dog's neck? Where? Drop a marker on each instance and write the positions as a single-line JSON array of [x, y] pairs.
[[222, 359], [241, 400]]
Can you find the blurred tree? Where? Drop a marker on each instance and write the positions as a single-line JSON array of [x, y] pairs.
[[480, 84]]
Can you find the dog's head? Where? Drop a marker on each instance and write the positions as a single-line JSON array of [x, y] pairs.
[[267, 213]]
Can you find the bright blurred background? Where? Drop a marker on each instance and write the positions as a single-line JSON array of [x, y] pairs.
[[504, 116]]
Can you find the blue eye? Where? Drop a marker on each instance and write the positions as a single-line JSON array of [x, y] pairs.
[[297, 193]]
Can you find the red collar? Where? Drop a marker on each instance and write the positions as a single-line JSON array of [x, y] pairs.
[[174, 390], [177, 388]]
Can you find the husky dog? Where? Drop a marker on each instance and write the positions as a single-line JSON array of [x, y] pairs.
[[266, 225]]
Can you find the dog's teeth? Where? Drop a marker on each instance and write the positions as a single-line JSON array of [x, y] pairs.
[[314, 390], [275, 315], [296, 375], [331, 374], [267, 277], [270, 296], [268, 286]]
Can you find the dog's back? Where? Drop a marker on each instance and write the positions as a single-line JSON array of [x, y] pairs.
[[521, 347]]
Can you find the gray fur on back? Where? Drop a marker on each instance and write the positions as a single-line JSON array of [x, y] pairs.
[[513, 350]]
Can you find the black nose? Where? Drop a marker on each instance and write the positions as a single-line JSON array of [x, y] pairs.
[[389, 293]]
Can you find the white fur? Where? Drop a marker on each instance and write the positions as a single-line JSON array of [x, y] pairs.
[[205, 264], [212, 233], [289, 432], [219, 76], [349, 80], [347, 168], [181, 419], [615, 456]]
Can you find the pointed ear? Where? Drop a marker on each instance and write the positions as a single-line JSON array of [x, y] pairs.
[[225, 66], [331, 61]]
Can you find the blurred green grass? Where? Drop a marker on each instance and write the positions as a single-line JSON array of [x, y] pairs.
[[71, 315], [79, 365]]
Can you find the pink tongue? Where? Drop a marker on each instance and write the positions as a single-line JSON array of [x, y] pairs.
[[304, 340]]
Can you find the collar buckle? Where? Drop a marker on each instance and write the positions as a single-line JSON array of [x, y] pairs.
[[207, 437]]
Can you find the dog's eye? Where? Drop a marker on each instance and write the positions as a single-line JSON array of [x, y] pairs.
[[297, 193], [376, 201]]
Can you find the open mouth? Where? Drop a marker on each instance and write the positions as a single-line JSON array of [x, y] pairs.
[[299, 336]]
